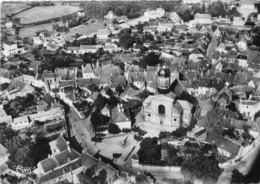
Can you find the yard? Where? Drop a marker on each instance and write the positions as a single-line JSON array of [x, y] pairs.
[[42, 13], [12, 7]]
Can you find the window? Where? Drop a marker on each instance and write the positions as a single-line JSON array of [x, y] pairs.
[[149, 115], [161, 109], [175, 119]]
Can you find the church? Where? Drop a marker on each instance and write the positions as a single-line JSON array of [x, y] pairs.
[[162, 108]]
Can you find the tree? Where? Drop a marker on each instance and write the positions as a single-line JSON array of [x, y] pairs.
[[186, 16], [94, 10], [102, 176], [201, 167], [119, 89], [55, 27], [113, 129], [64, 19], [203, 9], [237, 177], [125, 40], [96, 120], [179, 132], [20, 152], [151, 59]]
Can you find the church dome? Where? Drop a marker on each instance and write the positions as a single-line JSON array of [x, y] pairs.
[[164, 72]]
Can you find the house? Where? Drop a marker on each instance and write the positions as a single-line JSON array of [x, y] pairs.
[[221, 48], [165, 27], [52, 80], [203, 18], [249, 108], [187, 112], [59, 145], [175, 18], [163, 110], [129, 93], [66, 164], [20, 123], [17, 88], [67, 73], [29, 76], [120, 119], [52, 46], [89, 48], [227, 148], [4, 155], [87, 71], [34, 65], [12, 49], [106, 111], [102, 34], [56, 113], [154, 14], [137, 79], [191, 1], [242, 60], [110, 15]]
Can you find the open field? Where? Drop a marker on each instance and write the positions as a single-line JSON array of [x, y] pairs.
[[12, 7], [42, 13], [30, 31]]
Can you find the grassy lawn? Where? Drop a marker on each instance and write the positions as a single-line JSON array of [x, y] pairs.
[[87, 29], [43, 13], [12, 7], [30, 31]]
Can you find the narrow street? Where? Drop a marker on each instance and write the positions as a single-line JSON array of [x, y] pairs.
[[81, 129]]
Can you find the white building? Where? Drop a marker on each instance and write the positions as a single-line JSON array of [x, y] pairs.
[[11, 49], [110, 15], [102, 34], [203, 18], [175, 18], [191, 1], [248, 107], [87, 72], [20, 123], [164, 27], [154, 14]]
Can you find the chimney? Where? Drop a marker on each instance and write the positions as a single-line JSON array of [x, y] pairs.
[[69, 160], [68, 144]]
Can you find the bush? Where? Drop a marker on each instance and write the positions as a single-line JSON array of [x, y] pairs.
[[126, 130]]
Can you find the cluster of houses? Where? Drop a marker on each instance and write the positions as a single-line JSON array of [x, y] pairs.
[[197, 62]]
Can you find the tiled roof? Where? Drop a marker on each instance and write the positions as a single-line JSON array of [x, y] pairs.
[[120, 117], [87, 69], [83, 82], [66, 73], [223, 143]]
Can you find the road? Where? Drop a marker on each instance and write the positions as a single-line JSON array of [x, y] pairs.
[[81, 129]]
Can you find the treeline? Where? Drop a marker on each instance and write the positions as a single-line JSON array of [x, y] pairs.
[[136, 9], [129, 9]]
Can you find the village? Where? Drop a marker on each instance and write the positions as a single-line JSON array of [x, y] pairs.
[[130, 95]]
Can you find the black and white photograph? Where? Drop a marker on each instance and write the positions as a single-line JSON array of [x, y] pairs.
[[130, 92]]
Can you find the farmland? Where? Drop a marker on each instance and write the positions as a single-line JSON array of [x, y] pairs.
[[30, 31], [42, 13], [11, 7]]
